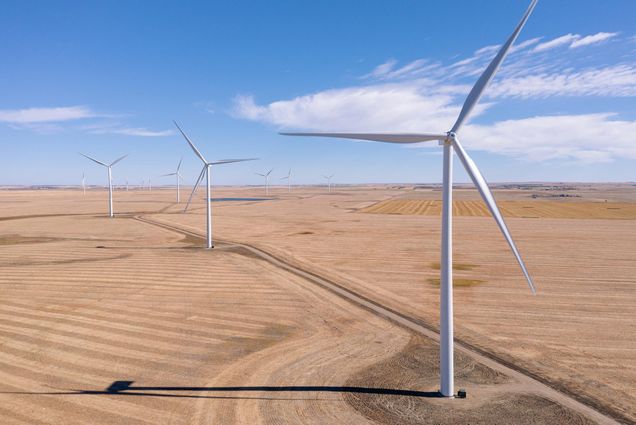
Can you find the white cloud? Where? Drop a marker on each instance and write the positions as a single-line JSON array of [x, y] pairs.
[[380, 107], [387, 71], [126, 131], [584, 138], [524, 44], [559, 41], [593, 39], [411, 103], [382, 69], [619, 81], [143, 132], [45, 115]]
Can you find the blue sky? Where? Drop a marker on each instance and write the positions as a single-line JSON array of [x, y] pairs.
[[108, 78]]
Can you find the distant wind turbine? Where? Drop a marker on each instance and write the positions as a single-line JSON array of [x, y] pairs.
[[266, 175], [110, 179], [207, 168], [328, 181], [83, 183], [149, 183], [288, 177], [451, 144], [179, 177]]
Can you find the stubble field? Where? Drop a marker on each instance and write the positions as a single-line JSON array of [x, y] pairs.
[[89, 304]]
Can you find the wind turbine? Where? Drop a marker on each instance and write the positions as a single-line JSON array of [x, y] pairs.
[[207, 166], [451, 144], [179, 177], [266, 175], [83, 183], [329, 181], [126, 185], [110, 179], [288, 177], [149, 184]]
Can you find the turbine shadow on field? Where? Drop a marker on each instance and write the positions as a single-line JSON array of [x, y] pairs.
[[119, 387], [125, 388]]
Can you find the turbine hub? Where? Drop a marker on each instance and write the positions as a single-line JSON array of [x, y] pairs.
[[451, 136]]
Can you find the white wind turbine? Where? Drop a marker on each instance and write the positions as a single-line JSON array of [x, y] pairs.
[[266, 175], [288, 177], [451, 144], [110, 179], [179, 177], [207, 167], [83, 183], [328, 181]]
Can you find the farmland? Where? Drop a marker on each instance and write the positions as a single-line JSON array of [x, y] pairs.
[[135, 322]]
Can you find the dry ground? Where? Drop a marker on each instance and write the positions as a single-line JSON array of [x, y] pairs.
[[221, 337]]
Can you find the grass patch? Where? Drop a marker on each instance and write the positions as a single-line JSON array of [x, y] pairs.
[[456, 266], [457, 283]]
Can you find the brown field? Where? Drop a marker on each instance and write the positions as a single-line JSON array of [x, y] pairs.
[[89, 303]]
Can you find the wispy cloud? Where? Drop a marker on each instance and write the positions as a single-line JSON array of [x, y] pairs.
[[575, 40], [414, 69], [45, 115], [57, 119], [593, 39], [126, 131], [616, 81], [559, 41]]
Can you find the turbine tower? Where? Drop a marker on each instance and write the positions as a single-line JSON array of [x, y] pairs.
[[328, 181], [450, 142], [266, 175], [110, 179], [83, 183], [179, 177], [207, 167], [288, 177]]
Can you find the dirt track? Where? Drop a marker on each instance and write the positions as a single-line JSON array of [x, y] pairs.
[[535, 385]]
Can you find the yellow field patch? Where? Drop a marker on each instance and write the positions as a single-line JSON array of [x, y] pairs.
[[521, 209], [457, 282]]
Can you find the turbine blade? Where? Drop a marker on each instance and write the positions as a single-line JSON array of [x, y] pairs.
[[117, 160], [228, 161], [194, 148], [194, 189], [480, 85], [179, 166], [377, 137], [488, 198], [166, 175], [262, 175], [93, 159]]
